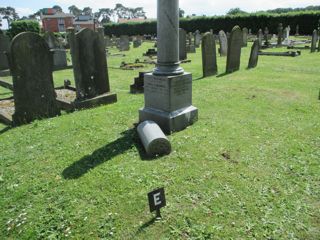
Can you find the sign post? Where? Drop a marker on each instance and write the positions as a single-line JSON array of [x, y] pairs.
[[157, 200]]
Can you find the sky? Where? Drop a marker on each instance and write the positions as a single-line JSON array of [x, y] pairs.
[[198, 7]]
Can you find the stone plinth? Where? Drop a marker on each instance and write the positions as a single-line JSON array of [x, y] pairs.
[[168, 102]]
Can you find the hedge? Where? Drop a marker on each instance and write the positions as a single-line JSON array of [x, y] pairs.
[[20, 26], [307, 22]]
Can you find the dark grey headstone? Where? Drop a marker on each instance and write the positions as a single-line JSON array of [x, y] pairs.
[[234, 50], [209, 55], [280, 34], [51, 40], [108, 41], [59, 53], [245, 37], [124, 43], [182, 44], [260, 37], [314, 41], [266, 36], [197, 39], [136, 43], [223, 41], [253, 61], [4, 47], [33, 89], [297, 30], [89, 64]]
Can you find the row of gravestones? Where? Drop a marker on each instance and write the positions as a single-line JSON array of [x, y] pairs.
[[56, 48], [123, 43], [235, 43], [31, 67]]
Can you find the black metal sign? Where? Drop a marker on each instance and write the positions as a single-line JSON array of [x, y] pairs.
[[157, 200]]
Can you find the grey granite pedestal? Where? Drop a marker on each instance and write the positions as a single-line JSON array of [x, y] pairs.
[[168, 102]]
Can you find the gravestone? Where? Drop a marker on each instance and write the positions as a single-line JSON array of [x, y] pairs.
[[90, 67], [260, 37], [124, 43], [280, 35], [254, 55], [168, 90], [33, 89], [223, 41], [59, 53], [314, 41], [197, 39], [297, 30], [136, 43], [266, 36], [209, 56], [287, 35], [245, 37], [234, 50], [182, 44], [4, 47], [108, 41], [190, 44], [137, 86]]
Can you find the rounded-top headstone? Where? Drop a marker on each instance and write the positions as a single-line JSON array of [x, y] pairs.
[[153, 139]]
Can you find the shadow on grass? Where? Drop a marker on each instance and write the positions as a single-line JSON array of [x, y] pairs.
[[5, 129], [128, 140], [199, 78], [146, 225], [223, 74], [5, 93]]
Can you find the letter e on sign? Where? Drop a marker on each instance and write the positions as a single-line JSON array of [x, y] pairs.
[[156, 199]]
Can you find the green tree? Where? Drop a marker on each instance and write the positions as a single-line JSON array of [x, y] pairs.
[[74, 10], [9, 13], [236, 11], [87, 11], [181, 13], [57, 8]]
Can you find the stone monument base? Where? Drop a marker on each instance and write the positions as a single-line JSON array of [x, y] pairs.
[[66, 99], [168, 102]]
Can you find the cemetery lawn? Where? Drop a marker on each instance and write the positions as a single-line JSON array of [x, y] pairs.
[[248, 169]]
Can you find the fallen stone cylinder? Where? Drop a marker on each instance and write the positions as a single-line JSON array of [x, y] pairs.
[[153, 139]]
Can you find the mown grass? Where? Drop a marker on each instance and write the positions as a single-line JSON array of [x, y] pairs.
[[248, 169]]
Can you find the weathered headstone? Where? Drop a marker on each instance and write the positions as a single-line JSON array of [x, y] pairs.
[[90, 65], [168, 90], [280, 35], [137, 86], [297, 30], [266, 36], [260, 37], [4, 47], [254, 55], [108, 41], [197, 39], [314, 41], [209, 55], [234, 50], [59, 53], [136, 43], [33, 89], [245, 37], [190, 44], [223, 41], [124, 43], [182, 44]]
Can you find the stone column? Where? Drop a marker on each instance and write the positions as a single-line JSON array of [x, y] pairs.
[[168, 38], [168, 90]]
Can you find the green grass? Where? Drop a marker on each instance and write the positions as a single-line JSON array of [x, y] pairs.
[[248, 169]]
